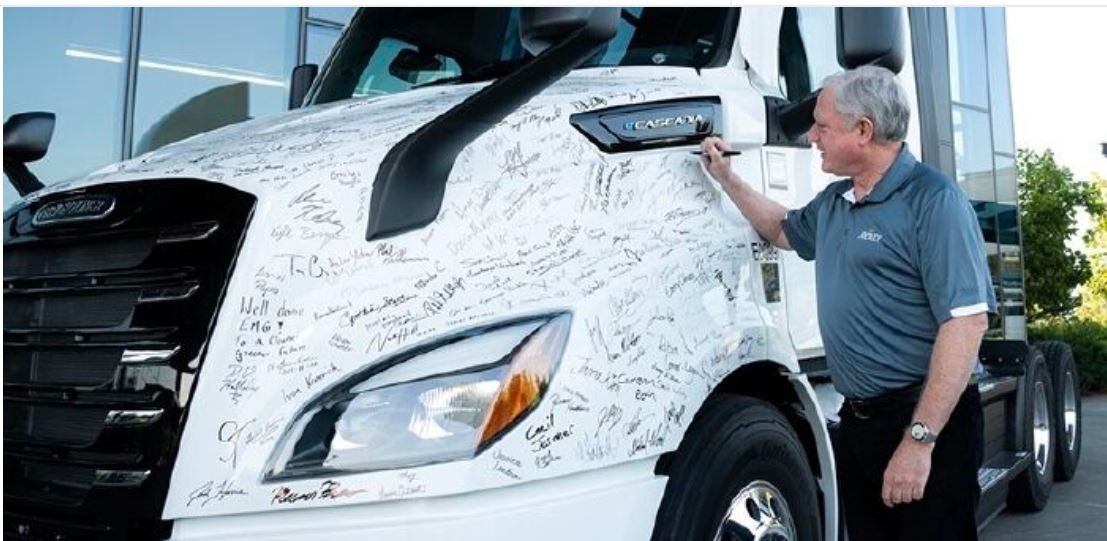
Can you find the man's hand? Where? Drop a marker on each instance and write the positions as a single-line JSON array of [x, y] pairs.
[[717, 164], [907, 472]]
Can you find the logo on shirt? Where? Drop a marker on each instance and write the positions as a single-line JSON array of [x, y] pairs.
[[870, 235]]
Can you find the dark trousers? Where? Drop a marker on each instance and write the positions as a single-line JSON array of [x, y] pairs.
[[863, 449]]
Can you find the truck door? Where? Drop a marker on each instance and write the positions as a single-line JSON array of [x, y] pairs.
[[803, 52]]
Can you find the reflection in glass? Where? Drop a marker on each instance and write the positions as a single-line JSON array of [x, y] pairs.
[[807, 52], [967, 66], [68, 61], [334, 14], [190, 52], [1000, 87], [986, 216], [320, 41], [972, 147], [1014, 303], [1007, 179]]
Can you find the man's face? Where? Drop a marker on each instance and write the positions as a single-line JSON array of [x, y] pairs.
[[839, 142]]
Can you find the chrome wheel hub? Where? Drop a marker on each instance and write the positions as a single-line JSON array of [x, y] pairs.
[[758, 513], [1042, 445], [1069, 414]]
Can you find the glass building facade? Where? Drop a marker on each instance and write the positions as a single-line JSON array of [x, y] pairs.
[[116, 76]]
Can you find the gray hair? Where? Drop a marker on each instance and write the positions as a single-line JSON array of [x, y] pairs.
[[872, 92]]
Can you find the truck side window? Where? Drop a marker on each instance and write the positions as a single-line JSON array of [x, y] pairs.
[[397, 66], [807, 48]]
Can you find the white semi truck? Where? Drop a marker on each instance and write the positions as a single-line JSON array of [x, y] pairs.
[[476, 287]]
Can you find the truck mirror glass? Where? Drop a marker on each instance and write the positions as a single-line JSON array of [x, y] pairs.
[[539, 28], [409, 64], [302, 77], [27, 136], [871, 36]]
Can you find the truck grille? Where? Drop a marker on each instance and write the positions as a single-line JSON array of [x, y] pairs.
[[105, 324]]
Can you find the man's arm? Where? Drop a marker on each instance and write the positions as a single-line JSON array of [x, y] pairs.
[[766, 216], [951, 364]]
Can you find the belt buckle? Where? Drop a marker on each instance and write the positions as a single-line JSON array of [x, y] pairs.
[[859, 410]]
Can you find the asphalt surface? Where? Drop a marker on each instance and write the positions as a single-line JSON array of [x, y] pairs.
[[1077, 509]]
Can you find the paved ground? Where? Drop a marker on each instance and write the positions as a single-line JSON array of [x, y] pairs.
[[1077, 509]]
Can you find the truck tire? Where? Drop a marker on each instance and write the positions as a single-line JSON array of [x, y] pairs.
[[1030, 490], [740, 472], [1066, 407]]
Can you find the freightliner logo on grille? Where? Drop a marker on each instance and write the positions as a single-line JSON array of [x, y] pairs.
[[81, 209]]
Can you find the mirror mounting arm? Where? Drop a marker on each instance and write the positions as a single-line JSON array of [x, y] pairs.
[[21, 178]]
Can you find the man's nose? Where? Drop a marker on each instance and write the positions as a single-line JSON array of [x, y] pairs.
[[811, 134]]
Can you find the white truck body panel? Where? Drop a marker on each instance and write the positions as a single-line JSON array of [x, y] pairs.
[[654, 263]]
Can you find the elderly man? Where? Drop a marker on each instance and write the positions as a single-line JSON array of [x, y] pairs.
[[903, 290]]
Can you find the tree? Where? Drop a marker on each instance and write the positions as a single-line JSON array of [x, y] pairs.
[[1093, 297], [1048, 202]]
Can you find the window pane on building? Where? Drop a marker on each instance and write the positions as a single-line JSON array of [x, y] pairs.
[[967, 63], [1000, 87], [1007, 181], [972, 148], [320, 41], [71, 62], [339, 15], [202, 68]]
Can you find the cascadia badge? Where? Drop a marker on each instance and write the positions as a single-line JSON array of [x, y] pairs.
[[80, 209]]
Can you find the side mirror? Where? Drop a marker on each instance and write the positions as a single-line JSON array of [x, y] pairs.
[[26, 139], [409, 63], [539, 28], [302, 77], [27, 136], [871, 36]]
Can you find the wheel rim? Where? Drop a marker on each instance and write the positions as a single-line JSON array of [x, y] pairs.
[[1041, 428], [758, 513], [1070, 412]]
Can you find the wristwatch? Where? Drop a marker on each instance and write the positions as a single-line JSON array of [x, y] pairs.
[[921, 433]]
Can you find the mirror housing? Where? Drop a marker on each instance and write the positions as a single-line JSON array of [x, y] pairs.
[[302, 77], [27, 136], [871, 36], [539, 28], [409, 63], [26, 139]]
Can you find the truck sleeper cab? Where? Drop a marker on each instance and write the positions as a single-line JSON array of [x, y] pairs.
[[477, 286]]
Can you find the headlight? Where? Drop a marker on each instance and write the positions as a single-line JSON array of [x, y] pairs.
[[444, 402]]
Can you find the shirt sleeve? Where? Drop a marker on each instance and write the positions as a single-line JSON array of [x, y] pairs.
[[952, 260], [801, 227]]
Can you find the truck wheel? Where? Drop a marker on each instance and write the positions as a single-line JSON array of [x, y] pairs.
[[1030, 490], [740, 473], [1066, 407]]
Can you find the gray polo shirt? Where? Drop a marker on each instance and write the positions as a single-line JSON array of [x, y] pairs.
[[889, 270]]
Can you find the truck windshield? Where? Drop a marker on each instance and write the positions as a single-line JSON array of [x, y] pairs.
[[389, 50]]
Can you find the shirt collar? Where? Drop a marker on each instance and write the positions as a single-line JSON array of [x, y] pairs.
[[892, 180]]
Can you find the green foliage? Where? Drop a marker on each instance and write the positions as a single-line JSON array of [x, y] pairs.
[[1093, 297], [1089, 346], [1048, 203]]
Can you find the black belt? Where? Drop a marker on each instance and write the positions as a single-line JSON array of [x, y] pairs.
[[864, 408]]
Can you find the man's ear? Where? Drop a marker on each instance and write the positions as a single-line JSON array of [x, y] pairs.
[[865, 129]]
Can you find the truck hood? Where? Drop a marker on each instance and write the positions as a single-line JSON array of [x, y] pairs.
[[272, 153], [535, 220]]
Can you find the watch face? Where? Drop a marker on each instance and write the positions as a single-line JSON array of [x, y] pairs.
[[918, 431]]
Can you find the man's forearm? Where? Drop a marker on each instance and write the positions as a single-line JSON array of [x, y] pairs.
[[766, 215], [951, 365]]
